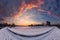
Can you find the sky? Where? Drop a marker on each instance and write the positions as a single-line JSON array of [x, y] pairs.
[[25, 12]]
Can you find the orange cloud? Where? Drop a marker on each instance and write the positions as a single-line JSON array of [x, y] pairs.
[[25, 7], [25, 20]]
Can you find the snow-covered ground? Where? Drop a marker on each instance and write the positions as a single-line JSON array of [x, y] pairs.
[[15, 33], [31, 30]]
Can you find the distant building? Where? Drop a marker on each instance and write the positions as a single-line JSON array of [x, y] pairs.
[[47, 23]]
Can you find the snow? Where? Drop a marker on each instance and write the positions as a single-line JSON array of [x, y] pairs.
[[31, 31], [53, 34]]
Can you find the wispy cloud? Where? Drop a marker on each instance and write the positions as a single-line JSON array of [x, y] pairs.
[[18, 10]]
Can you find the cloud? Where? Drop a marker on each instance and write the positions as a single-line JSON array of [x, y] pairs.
[[9, 8], [15, 8], [23, 8], [27, 5]]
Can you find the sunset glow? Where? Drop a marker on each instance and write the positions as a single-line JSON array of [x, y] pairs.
[[26, 12], [24, 7]]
